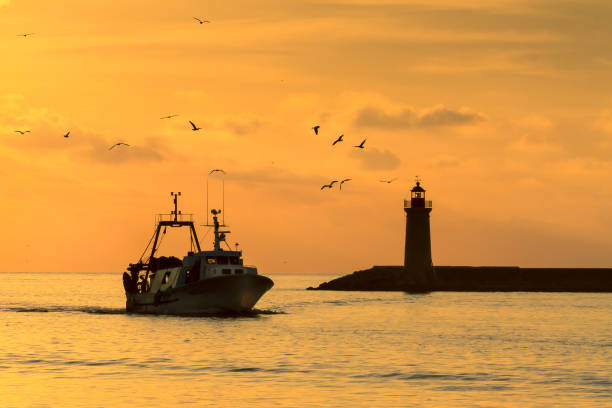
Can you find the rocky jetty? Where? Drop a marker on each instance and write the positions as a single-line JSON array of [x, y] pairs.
[[476, 279], [377, 278]]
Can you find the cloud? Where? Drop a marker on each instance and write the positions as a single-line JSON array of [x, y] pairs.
[[407, 118], [47, 139], [537, 122], [47, 128], [604, 121], [97, 150], [242, 128], [447, 162], [374, 159], [271, 175], [529, 143]]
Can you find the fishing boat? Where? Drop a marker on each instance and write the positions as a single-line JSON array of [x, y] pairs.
[[203, 282]]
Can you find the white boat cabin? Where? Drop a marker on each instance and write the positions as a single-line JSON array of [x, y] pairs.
[[196, 267]]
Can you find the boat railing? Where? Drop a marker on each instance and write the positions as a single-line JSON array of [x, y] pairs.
[[170, 217]]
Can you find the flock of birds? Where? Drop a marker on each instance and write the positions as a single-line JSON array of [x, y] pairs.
[[359, 146], [118, 144], [195, 128]]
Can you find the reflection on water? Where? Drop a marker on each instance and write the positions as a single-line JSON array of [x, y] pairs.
[[66, 341]]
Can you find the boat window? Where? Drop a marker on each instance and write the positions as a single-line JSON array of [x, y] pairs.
[[238, 271], [222, 260], [211, 259], [234, 260], [227, 271]]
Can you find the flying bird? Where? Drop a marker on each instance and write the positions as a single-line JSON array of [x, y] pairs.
[[118, 144], [202, 21], [344, 181], [24, 35], [22, 131], [316, 129], [338, 140], [194, 126], [216, 171], [330, 185], [168, 117], [360, 145], [388, 181], [67, 134]]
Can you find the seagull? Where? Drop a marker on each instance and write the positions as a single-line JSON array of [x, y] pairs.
[[360, 145], [330, 185], [202, 21], [118, 144], [22, 131], [344, 181], [194, 126], [168, 117], [24, 35], [67, 134], [338, 140], [316, 129], [216, 171], [388, 181]]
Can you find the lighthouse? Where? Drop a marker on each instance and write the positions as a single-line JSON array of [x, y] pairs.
[[417, 255]]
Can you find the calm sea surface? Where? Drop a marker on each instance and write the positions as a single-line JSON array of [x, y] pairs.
[[66, 341]]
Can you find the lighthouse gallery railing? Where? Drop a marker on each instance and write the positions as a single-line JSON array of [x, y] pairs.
[[408, 204]]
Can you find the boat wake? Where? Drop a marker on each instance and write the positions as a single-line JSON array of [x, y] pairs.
[[121, 311], [69, 309]]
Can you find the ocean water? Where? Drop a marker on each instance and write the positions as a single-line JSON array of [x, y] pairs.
[[65, 341]]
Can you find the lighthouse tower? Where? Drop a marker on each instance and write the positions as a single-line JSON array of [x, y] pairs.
[[417, 256]]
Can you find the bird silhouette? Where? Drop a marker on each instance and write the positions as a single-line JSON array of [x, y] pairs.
[[216, 171], [344, 181], [360, 145], [24, 35], [338, 140], [330, 185], [194, 126], [118, 144], [67, 134], [168, 117], [387, 181], [316, 129], [22, 131], [202, 21]]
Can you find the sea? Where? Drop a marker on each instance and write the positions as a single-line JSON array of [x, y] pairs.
[[66, 341]]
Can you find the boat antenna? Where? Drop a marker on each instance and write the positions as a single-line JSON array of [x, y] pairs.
[[213, 171]]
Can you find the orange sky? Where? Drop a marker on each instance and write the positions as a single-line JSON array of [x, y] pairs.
[[504, 108]]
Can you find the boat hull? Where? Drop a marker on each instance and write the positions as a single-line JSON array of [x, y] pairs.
[[223, 294]]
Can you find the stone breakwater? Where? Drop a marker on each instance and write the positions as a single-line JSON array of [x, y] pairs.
[[476, 279]]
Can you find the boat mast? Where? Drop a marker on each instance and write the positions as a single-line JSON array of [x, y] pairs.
[[219, 235], [175, 222]]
